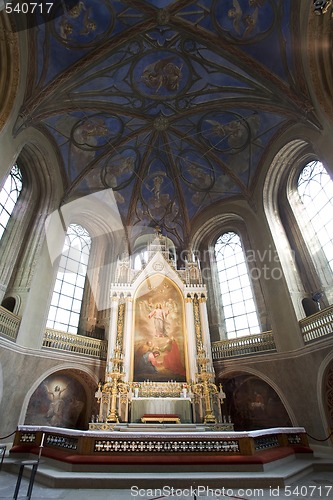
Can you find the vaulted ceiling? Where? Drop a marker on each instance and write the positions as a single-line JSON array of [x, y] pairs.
[[172, 104]]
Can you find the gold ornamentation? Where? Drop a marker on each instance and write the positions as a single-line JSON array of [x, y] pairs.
[[120, 323], [197, 322]]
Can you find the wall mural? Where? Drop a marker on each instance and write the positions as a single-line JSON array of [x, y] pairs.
[[171, 123], [159, 336], [328, 394], [59, 401], [253, 404]]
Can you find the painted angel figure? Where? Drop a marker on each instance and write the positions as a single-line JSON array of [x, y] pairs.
[[163, 73], [236, 15]]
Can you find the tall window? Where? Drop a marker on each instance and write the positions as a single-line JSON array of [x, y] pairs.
[[8, 196], [239, 308], [315, 188], [64, 313]]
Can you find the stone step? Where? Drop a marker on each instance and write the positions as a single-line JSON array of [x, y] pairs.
[[276, 474]]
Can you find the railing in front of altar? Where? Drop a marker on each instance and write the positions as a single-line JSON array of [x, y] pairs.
[[317, 325], [9, 323], [119, 448], [242, 346], [75, 344]]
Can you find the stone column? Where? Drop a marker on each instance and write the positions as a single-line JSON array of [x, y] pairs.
[[191, 343], [267, 268], [205, 327], [112, 334], [35, 313], [127, 338]]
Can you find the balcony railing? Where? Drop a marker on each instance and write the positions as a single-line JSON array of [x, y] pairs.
[[9, 323], [78, 344], [317, 325], [242, 346]]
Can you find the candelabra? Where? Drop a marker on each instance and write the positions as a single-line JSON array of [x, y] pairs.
[[205, 386], [113, 386]]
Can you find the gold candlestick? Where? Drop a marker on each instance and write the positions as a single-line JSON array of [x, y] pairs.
[[205, 386]]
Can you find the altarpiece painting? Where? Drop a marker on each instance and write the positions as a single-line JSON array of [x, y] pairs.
[[159, 332]]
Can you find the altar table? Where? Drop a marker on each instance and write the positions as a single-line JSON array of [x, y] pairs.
[[161, 406]]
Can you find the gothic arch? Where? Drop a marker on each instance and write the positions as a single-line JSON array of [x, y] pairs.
[[108, 241], [279, 189], [10, 72], [251, 374], [204, 242], [1, 383], [84, 376], [41, 191], [319, 61], [325, 392], [283, 161]]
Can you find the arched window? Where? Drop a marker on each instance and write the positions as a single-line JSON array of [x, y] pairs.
[[315, 189], [64, 313], [239, 309], [9, 195]]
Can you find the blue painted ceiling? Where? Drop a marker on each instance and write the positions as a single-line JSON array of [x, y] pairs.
[[172, 104]]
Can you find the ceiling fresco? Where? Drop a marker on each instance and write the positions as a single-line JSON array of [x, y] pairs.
[[172, 104]]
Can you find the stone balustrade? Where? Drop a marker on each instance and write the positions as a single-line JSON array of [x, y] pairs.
[[9, 323], [243, 346], [313, 327], [317, 325], [77, 344]]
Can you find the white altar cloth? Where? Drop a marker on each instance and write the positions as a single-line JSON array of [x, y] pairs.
[[176, 406], [167, 434]]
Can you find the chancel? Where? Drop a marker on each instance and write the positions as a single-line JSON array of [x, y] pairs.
[[166, 237], [159, 368]]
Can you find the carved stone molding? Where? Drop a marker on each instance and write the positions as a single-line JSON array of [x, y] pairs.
[[10, 71], [320, 35]]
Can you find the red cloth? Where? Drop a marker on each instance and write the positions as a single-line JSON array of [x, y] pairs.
[[172, 360]]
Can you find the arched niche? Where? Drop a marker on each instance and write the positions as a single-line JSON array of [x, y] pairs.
[[252, 403], [328, 395], [60, 400], [9, 303], [159, 334]]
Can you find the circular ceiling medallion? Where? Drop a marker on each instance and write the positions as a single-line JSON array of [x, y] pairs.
[[160, 74]]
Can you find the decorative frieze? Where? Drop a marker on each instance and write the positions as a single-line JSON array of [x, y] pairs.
[[62, 442], [266, 442], [28, 437], [166, 446]]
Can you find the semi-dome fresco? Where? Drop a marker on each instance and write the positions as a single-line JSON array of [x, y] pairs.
[[173, 105]]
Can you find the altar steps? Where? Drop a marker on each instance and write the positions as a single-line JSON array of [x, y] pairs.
[[270, 475]]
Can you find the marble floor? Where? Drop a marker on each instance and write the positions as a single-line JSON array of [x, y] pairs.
[[316, 485]]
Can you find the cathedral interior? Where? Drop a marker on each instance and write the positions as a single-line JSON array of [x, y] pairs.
[[166, 211]]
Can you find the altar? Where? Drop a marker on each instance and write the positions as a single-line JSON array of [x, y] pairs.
[[163, 406], [159, 359]]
